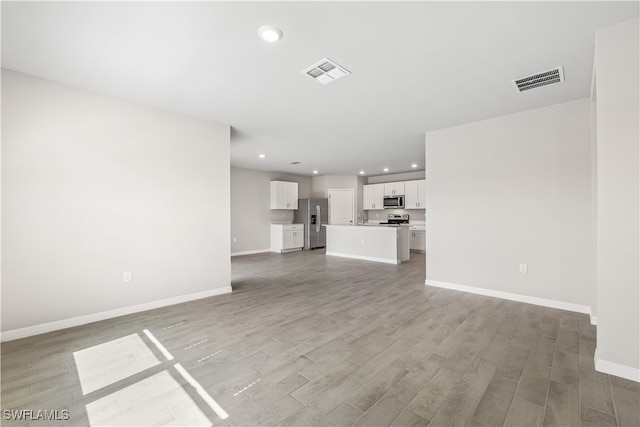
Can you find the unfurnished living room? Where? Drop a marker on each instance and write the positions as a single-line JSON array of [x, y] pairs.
[[320, 213]]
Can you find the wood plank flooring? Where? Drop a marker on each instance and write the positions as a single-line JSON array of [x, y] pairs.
[[307, 339]]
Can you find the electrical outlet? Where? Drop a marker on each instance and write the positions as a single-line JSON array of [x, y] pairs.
[[523, 268], [127, 276], [235, 239]]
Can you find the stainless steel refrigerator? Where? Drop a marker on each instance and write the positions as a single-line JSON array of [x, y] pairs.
[[313, 213]]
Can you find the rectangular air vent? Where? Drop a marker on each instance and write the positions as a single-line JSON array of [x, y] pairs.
[[326, 71], [543, 78]]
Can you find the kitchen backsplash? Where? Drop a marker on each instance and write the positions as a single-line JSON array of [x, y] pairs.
[[380, 215], [279, 216]]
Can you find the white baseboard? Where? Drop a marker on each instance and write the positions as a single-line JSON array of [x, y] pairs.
[[365, 258], [616, 369], [29, 331], [512, 297], [259, 251]]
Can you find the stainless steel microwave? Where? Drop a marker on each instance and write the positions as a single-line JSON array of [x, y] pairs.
[[393, 202]]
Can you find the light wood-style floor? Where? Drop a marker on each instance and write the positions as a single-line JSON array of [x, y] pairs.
[[307, 339]]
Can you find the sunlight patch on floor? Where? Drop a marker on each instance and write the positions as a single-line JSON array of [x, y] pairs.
[[157, 400], [112, 361]]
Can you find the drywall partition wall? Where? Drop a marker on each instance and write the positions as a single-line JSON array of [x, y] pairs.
[[322, 184], [250, 208], [508, 191], [360, 212], [618, 175], [407, 176], [94, 186], [594, 199]]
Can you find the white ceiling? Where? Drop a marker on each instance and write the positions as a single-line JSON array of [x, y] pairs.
[[416, 67]]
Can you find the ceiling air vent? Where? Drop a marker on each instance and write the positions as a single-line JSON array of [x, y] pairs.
[[543, 78], [295, 163], [326, 71]]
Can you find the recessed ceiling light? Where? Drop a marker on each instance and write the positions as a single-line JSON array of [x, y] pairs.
[[386, 169], [315, 172], [361, 172], [414, 165], [262, 156], [270, 33]]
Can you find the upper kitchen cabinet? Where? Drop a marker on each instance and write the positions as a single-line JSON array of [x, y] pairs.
[[394, 189], [414, 192], [372, 196], [284, 195]]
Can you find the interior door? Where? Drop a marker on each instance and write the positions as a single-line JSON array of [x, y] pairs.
[[341, 207]]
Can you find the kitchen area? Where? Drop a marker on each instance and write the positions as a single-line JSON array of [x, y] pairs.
[[388, 220]]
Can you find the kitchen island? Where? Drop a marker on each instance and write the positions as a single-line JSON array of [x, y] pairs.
[[372, 243]]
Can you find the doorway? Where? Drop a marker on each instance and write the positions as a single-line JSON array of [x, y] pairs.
[[341, 207]]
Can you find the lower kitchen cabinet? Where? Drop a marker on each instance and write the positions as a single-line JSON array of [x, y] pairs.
[[418, 240], [287, 237]]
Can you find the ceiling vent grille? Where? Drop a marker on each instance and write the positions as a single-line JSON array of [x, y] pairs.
[[543, 78], [326, 71]]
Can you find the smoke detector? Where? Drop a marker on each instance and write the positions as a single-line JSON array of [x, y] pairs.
[[540, 79], [326, 71]]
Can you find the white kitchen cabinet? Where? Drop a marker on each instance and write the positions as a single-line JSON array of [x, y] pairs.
[[287, 237], [418, 240], [284, 195], [414, 194], [394, 188], [372, 196]]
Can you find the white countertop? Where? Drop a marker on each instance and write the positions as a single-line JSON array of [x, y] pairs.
[[364, 227], [418, 226]]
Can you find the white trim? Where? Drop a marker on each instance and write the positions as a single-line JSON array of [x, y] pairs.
[[259, 251], [594, 319], [42, 328], [284, 251], [366, 258], [513, 297], [616, 369]]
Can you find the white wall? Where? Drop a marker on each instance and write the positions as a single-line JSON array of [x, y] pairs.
[[510, 190], [322, 184], [618, 175], [406, 176], [94, 186], [250, 208]]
